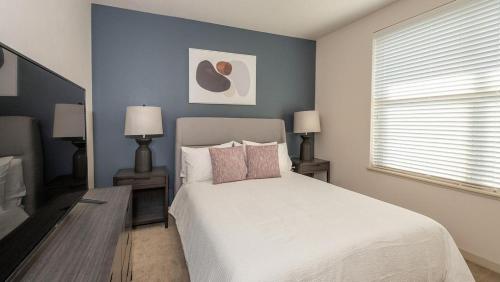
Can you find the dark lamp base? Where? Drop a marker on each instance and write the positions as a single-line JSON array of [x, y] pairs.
[[80, 160], [143, 162], [306, 148]]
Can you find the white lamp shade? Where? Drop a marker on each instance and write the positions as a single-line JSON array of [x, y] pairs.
[[69, 121], [306, 122], [143, 120]]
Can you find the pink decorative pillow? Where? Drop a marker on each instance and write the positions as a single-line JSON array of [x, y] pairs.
[[228, 164], [262, 161]]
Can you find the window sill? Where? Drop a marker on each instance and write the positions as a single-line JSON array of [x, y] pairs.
[[439, 181]]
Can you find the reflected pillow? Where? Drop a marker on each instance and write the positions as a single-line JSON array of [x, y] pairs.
[[15, 189], [4, 169]]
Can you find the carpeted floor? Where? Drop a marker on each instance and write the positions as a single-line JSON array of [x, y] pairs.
[[157, 256]]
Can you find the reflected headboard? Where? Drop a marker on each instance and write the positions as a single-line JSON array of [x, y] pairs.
[[206, 131], [20, 137]]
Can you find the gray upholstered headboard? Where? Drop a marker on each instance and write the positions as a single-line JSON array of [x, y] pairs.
[[206, 131], [20, 137]]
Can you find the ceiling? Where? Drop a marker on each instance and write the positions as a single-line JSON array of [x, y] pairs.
[[308, 19]]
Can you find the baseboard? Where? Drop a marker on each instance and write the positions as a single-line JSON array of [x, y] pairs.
[[493, 266]]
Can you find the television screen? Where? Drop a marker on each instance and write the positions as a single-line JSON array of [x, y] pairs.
[[43, 162]]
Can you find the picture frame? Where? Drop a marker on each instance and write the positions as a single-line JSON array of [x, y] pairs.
[[221, 78]]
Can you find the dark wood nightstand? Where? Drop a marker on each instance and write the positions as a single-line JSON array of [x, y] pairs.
[[149, 194], [310, 167]]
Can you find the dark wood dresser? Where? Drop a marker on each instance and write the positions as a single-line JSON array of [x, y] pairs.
[[92, 243]]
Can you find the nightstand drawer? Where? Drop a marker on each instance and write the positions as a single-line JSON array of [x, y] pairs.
[[312, 167], [140, 183]]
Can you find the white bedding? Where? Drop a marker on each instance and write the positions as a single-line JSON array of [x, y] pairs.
[[297, 228]]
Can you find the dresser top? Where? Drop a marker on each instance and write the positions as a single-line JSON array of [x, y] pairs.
[[82, 246]]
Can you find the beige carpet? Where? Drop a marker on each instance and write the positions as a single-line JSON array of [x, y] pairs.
[[158, 256]]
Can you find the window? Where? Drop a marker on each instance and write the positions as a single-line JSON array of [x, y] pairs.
[[436, 96]]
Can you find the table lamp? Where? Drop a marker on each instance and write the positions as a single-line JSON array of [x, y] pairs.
[[306, 122], [69, 124], [143, 123]]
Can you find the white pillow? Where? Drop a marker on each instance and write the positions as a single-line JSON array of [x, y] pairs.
[[197, 163], [15, 189], [183, 172], [4, 169], [285, 162]]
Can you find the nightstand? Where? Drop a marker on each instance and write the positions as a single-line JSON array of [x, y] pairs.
[[310, 167], [149, 194]]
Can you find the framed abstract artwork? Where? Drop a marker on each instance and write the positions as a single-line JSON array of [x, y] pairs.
[[221, 78]]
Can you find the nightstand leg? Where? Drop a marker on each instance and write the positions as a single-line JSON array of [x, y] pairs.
[[166, 206], [328, 175]]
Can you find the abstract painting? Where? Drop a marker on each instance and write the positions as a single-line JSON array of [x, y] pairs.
[[221, 78]]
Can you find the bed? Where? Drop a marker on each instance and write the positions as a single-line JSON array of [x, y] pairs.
[[297, 228]]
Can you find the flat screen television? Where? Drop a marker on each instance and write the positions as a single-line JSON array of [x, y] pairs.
[[43, 162]]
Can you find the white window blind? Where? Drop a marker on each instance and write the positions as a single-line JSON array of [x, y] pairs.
[[436, 96]]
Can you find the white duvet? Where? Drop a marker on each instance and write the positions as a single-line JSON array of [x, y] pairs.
[[297, 228]]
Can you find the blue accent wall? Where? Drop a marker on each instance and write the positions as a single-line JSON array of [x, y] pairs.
[[140, 58]]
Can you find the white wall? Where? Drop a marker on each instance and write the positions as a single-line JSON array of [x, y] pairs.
[[343, 92], [56, 34]]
